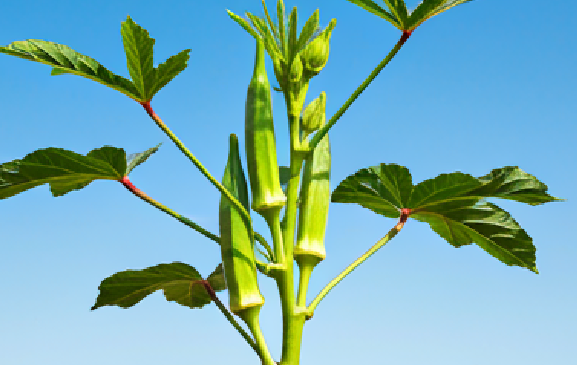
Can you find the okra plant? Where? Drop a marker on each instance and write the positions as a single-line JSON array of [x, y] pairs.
[[293, 200]]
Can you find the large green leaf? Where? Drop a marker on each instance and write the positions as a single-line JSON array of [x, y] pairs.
[[66, 60], [180, 282], [138, 46], [63, 170], [453, 205], [146, 79], [66, 170]]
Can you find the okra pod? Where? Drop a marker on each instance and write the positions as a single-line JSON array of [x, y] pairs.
[[237, 247], [260, 140]]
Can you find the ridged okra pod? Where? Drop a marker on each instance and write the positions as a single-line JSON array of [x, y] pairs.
[[237, 248], [260, 140], [315, 198]]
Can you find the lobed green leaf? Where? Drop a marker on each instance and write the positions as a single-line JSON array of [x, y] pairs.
[[63, 170], [453, 205], [180, 282], [65, 60]]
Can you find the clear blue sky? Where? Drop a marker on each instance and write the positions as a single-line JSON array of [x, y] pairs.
[[488, 84]]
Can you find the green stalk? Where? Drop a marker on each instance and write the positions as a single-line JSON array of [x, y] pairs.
[[380, 243], [273, 220], [305, 272], [195, 161], [293, 320], [321, 132], [253, 324], [126, 182]]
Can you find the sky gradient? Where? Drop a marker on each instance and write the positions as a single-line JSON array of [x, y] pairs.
[[487, 84]]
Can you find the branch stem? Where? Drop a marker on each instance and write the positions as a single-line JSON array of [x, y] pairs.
[[230, 317], [194, 160], [380, 243], [139, 193], [321, 133]]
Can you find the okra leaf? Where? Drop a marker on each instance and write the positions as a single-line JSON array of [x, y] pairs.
[[65, 60], [454, 205], [428, 9], [136, 159], [512, 183], [373, 8], [488, 226], [384, 189], [63, 170], [216, 279], [168, 70], [399, 10], [138, 46], [180, 282]]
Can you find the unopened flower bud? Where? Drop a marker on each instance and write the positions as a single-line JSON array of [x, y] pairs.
[[316, 54], [314, 115]]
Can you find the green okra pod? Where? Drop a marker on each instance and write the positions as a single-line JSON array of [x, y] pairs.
[[260, 140], [315, 197], [237, 246]]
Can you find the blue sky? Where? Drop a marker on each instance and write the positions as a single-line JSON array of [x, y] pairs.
[[487, 84]]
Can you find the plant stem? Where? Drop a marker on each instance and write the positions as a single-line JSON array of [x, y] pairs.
[[305, 271], [292, 321], [321, 132], [139, 193], [380, 243], [273, 220], [230, 317], [253, 324], [195, 161]]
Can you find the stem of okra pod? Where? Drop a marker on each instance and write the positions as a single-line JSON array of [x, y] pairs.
[[380, 243], [253, 324], [191, 157], [321, 132], [272, 217], [229, 316]]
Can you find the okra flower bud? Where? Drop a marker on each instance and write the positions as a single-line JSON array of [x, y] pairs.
[[260, 140], [237, 248], [314, 114], [316, 54], [296, 69], [314, 207]]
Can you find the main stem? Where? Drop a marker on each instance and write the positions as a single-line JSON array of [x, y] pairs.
[[293, 320], [321, 133]]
